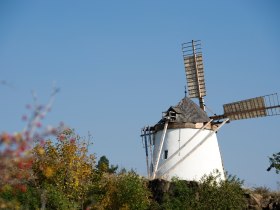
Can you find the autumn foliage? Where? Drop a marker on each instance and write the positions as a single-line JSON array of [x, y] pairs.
[[65, 165]]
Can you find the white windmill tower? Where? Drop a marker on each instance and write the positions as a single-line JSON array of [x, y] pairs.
[[183, 143]]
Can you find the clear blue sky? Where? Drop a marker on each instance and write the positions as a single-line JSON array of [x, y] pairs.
[[119, 65]]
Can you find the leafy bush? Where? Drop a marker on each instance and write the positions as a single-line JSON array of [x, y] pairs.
[[56, 199], [221, 194], [180, 196], [132, 191], [123, 191], [210, 193]]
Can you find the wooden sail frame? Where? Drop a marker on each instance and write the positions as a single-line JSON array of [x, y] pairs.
[[194, 70], [261, 106]]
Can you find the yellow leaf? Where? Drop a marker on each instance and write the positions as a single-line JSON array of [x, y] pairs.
[[48, 172]]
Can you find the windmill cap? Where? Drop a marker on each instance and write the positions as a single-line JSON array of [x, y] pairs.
[[185, 114], [189, 112]]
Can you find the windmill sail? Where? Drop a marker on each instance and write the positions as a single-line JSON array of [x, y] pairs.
[[251, 108], [195, 76], [194, 70]]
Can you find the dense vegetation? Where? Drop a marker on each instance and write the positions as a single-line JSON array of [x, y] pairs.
[[60, 174]]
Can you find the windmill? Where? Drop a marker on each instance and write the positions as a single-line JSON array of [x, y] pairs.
[[183, 143]]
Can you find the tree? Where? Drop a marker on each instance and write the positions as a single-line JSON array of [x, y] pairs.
[[274, 162], [103, 165], [63, 170]]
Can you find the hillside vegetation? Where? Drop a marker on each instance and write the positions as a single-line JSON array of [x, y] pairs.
[[60, 174]]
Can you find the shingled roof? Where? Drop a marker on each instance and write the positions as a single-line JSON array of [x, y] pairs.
[[188, 112]]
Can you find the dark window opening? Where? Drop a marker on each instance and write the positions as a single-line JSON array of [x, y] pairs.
[[165, 154]]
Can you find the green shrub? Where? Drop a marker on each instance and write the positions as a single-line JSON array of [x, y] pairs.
[[215, 193], [210, 193], [132, 191], [56, 199], [181, 195], [123, 191]]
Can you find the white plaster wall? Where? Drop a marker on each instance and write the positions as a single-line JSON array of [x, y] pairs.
[[200, 161]]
